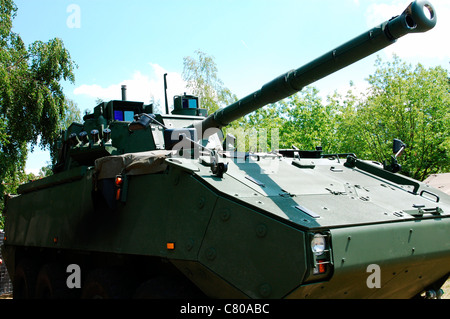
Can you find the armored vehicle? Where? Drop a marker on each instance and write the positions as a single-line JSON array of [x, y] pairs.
[[162, 205]]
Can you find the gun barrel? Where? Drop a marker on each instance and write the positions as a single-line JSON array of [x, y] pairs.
[[419, 16]]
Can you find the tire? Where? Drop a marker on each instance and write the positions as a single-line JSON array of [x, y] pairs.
[[51, 283], [24, 280]]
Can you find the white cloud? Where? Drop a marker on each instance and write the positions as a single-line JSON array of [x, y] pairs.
[[141, 87], [431, 44]]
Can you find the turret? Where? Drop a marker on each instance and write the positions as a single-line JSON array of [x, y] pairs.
[[123, 126]]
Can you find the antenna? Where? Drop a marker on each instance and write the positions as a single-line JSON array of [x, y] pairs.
[[165, 93], [124, 92]]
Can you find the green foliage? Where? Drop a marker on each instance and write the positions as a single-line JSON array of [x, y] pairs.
[[32, 102], [301, 121], [346, 138], [411, 104], [404, 102], [200, 73], [308, 123]]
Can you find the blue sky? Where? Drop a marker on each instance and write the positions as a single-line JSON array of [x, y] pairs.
[[252, 41]]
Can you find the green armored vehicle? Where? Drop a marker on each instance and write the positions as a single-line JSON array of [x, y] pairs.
[[162, 205]]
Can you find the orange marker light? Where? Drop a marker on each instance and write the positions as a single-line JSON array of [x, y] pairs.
[[322, 268], [119, 181], [171, 246]]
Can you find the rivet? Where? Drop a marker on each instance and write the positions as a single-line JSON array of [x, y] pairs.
[[201, 202], [225, 215], [261, 230], [211, 253], [189, 244]]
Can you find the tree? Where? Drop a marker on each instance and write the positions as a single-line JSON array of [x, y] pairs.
[[346, 131], [32, 102], [200, 73], [257, 131], [301, 120], [403, 102], [411, 104], [71, 115], [309, 123]]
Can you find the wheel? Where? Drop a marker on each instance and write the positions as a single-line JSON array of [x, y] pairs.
[[24, 279], [51, 283], [105, 283]]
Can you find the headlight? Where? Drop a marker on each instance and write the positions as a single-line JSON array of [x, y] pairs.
[[321, 256], [318, 244]]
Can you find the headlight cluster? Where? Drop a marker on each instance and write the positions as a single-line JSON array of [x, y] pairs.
[[321, 253]]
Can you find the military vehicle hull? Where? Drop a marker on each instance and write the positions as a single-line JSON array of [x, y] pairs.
[[151, 206], [268, 212]]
